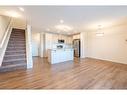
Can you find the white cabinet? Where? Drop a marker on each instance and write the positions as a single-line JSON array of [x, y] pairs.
[[62, 55], [51, 40], [70, 40], [76, 36], [55, 38], [69, 54], [55, 57]]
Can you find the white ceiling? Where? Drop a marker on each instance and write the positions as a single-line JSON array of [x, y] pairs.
[[81, 18]]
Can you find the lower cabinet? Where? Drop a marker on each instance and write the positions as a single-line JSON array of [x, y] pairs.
[[57, 56]]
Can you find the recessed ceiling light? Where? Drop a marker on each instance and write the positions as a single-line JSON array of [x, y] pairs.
[[13, 14], [21, 9], [61, 21], [99, 26], [99, 34]]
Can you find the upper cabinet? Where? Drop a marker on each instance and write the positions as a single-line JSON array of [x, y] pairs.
[[70, 40], [77, 36], [53, 39], [67, 39]]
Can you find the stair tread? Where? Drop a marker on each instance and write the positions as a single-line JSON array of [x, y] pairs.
[[16, 51], [8, 68], [17, 42], [13, 60], [19, 33], [15, 55], [17, 37], [13, 39], [15, 47], [12, 65], [12, 45]]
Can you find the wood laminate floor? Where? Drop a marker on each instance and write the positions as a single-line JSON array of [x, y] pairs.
[[81, 74]]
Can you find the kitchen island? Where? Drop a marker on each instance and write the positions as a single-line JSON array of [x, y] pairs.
[[60, 55]]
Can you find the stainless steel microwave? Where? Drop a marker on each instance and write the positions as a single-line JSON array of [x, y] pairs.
[[60, 41]]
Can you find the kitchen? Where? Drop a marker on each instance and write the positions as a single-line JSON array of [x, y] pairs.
[[56, 48]]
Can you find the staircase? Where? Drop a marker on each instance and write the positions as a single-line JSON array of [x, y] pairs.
[[15, 54]]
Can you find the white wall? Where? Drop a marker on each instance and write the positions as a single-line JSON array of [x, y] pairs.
[[48, 40], [4, 21], [112, 46], [19, 23], [42, 45], [84, 44], [35, 43]]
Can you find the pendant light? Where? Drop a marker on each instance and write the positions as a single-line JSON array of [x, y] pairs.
[[99, 32]]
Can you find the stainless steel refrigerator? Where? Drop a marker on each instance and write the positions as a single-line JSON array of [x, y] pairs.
[[76, 46]]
